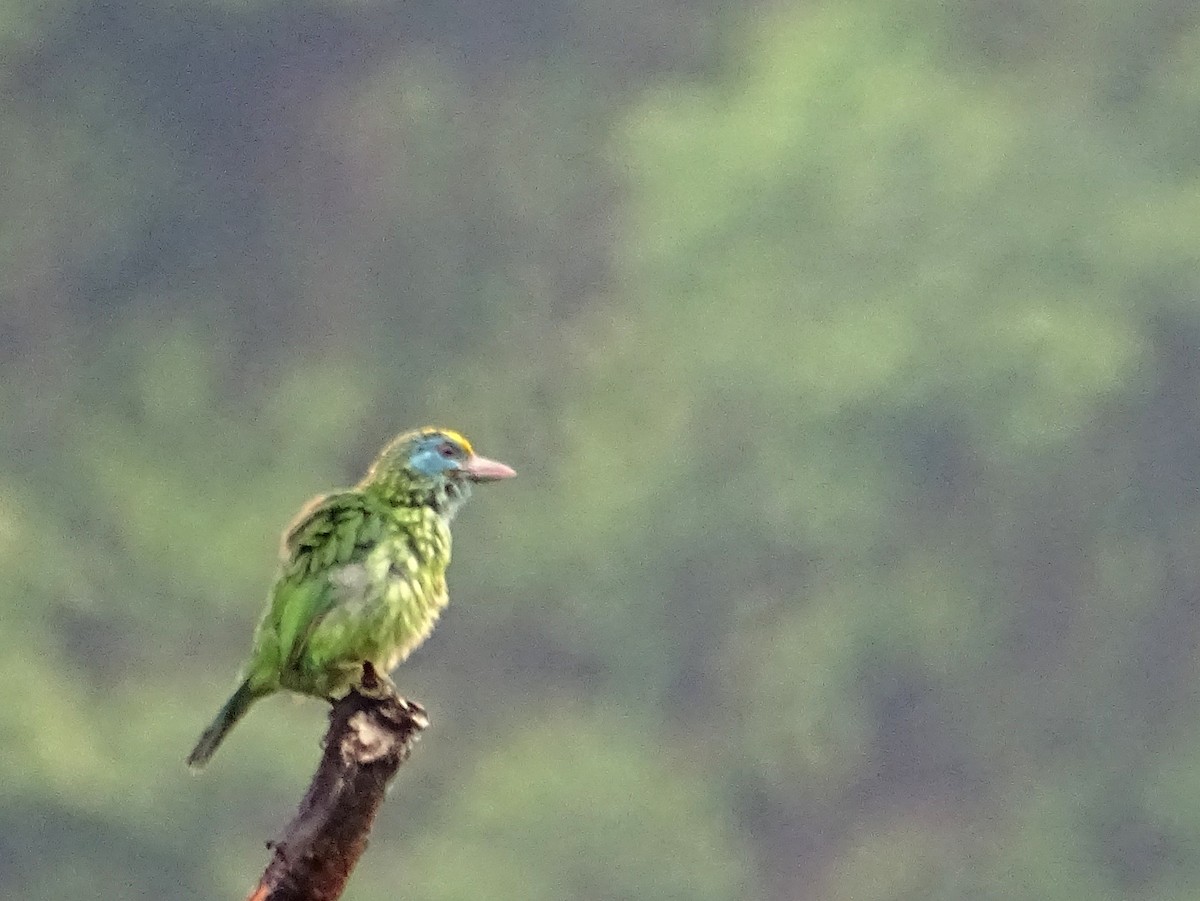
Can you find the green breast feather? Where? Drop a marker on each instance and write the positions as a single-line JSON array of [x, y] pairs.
[[360, 581]]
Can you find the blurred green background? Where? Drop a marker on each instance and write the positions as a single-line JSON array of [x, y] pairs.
[[849, 353]]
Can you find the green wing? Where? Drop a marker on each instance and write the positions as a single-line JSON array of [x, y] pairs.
[[331, 531]]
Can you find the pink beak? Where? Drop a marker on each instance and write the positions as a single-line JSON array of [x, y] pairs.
[[481, 469]]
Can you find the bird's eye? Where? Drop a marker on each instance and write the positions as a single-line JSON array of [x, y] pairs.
[[447, 450]]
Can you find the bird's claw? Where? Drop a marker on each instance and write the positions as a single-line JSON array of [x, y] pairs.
[[376, 685]]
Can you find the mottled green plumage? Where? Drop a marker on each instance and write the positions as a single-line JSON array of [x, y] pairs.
[[362, 576]]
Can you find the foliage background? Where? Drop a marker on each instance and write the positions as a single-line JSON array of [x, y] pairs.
[[848, 352]]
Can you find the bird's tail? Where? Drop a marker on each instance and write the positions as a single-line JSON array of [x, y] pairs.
[[235, 708]]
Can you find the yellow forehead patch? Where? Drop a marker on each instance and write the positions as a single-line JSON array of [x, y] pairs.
[[450, 435]]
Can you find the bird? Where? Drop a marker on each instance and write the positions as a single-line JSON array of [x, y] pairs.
[[362, 577]]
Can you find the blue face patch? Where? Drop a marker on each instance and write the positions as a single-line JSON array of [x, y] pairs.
[[435, 456]]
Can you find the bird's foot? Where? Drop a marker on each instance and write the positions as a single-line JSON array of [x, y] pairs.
[[375, 684]]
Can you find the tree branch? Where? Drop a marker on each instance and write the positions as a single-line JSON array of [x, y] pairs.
[[368, 739]]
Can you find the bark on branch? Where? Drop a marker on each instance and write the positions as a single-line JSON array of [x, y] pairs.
[[368, 739]]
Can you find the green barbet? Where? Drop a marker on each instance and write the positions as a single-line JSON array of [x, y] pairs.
[[362, 578]]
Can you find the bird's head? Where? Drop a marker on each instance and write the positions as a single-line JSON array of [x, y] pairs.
[[434, 466]]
